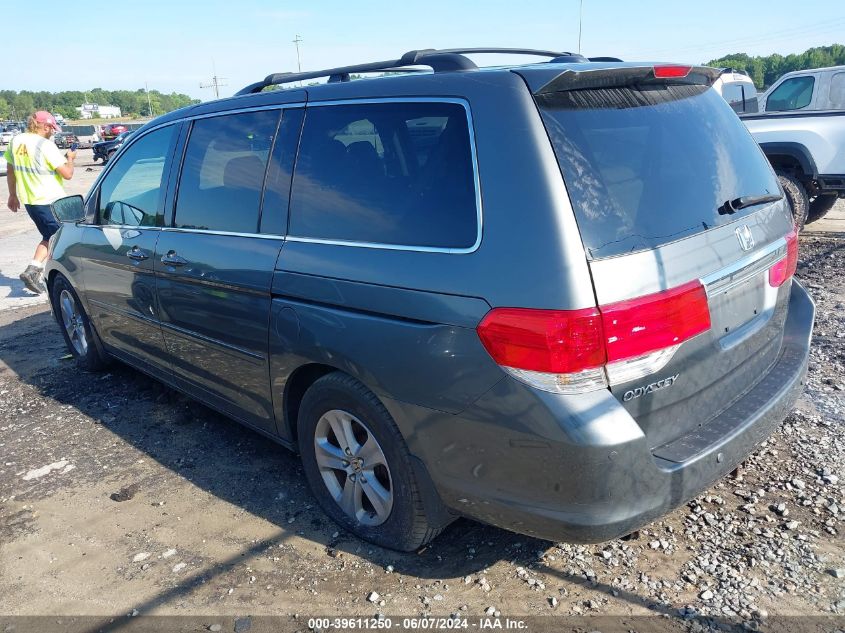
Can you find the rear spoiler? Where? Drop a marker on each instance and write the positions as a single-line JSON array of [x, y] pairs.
[[658, 74]]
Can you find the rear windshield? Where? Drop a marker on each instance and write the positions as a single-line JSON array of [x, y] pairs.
[[648, 166]]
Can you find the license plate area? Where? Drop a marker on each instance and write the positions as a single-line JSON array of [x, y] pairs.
[[738, 304], [740, 294]]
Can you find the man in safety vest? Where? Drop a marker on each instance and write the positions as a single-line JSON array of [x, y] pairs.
[[35, 175]]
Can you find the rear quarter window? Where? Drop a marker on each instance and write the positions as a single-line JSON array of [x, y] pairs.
[[837, 91], [396, 173]]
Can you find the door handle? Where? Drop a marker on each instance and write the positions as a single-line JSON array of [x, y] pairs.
[[137, 254], [172, 259]]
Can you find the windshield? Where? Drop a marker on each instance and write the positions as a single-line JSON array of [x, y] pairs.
[[645, 166]]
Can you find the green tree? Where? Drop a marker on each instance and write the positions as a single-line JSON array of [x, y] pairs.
[[23, 105], [764, 71], [131, 102]]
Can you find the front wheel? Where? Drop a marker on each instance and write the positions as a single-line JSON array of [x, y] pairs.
[[796, 194], [358, 467], [79, 333]]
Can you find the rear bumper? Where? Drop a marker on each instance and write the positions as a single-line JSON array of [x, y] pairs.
[[579, 469]]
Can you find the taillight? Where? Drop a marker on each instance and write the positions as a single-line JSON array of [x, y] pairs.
[[572, 351], [645, 324], [671, 71], [782, 270], [553, 341]]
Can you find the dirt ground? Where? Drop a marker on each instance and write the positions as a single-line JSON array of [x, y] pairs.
[[119, 496]]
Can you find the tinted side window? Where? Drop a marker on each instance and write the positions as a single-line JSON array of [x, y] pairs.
[[223, 172], [792, 94], [732, 93], [837, 91], [386, 173], [131, 193], [274, 209], [749, 95]]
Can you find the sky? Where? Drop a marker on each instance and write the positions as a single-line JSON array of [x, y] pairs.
[[177, 45]]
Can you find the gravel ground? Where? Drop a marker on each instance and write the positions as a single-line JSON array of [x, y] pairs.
[[118, 495]]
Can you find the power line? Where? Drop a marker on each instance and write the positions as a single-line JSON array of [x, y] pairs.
[[784, 34]]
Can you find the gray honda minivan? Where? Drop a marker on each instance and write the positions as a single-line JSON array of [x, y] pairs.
[[554, 297]]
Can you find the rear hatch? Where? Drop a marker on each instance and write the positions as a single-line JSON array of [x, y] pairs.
[[686, 234]]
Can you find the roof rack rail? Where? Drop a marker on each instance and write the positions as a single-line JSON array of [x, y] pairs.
[[439, 60]]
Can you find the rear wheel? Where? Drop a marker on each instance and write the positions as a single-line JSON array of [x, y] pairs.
[[820, 206], [797, 196], [358, 466], [79, 333]]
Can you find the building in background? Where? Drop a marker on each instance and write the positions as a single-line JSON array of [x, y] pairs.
[[93, 110]]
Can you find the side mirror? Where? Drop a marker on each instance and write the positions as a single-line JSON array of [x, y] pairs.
[[70, 209]]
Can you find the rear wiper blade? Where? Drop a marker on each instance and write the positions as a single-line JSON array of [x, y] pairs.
[[732, 206]]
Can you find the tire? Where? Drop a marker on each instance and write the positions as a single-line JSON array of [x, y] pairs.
[[797, 196], [79, 334], [332, 402], [820, 206]]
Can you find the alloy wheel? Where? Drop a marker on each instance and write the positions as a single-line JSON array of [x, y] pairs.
[[353, 467], [72, 320]]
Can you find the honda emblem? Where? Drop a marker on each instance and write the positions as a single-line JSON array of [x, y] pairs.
[[746, 240]]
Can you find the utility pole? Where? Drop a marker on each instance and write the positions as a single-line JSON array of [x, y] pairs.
[[149, 103], [296, 42], [580, 19], [216, 83]]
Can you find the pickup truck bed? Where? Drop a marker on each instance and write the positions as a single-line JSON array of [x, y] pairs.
[[807, 150]]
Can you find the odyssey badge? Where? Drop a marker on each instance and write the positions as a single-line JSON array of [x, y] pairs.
[[655, 386]]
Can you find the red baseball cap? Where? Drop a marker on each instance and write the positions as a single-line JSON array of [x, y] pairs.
[[42, 116]]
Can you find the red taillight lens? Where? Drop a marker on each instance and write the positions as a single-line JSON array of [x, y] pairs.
[[785, 268], [552, 341], [570, 341], [645, 324], [671, 72]]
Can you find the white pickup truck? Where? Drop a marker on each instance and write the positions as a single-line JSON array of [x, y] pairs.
[[801, 129]]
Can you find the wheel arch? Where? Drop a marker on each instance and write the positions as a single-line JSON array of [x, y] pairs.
[[295, 387], [791, 156]]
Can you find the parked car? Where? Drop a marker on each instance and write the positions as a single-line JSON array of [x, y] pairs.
[[6, 138], [4, 166], [565, 339], [104, 150], [737, 88], [806, 90], [86, 135], [64, 140], [806, 149], [112, 130]]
